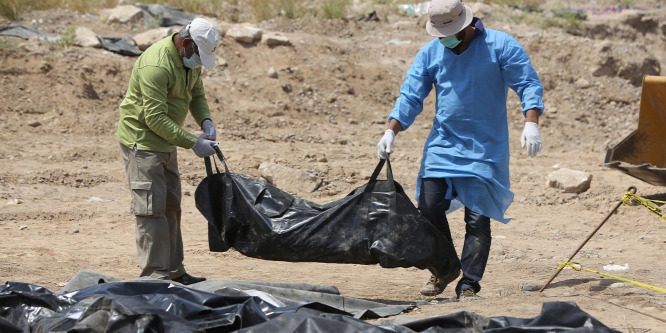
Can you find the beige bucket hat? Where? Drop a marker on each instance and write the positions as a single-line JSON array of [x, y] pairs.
[[448, 17]]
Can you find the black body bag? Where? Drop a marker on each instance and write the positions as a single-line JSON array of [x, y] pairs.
[[374, 224]]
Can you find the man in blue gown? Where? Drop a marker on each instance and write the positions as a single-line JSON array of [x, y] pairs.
[[466, 155]]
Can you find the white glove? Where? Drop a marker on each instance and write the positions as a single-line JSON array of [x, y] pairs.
[[209, 130], [384, 145], [532, 138], [204, 147]]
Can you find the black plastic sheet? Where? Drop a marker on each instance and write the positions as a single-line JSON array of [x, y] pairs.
[[129, 307], [25, 32], [375, 224], [278, 294], [554, 317], [167, 15], [119, 45], [159, 306]]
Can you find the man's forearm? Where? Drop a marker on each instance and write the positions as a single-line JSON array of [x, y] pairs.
[[532, 115], [395, 126]]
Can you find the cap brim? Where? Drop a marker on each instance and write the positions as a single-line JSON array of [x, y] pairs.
[[207, 59], [453, 28]]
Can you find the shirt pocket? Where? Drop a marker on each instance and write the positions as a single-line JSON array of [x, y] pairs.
[[142, 198]]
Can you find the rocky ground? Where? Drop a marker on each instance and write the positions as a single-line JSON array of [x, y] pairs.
[[65, 199]]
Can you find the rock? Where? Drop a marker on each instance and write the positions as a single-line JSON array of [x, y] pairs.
[[272, 73], [499, 250], [337, 171], [245, 33], [286, 87], [275, 39], [149, 37], [582, 83], [532, 288], [289, 179], [570, 181], [85, 37], [403, 25], [124, 14]]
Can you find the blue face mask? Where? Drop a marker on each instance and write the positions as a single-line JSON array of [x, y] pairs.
[[192, 62], [450, 42]]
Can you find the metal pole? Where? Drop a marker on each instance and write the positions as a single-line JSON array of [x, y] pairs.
[[632, 189]]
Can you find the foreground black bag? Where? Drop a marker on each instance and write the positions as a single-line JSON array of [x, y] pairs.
[[375, 224], [146, 306]]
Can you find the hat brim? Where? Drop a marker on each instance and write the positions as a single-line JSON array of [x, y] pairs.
[[207, 59], [452, 29]]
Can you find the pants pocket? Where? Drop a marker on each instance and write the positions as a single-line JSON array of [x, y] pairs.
[[142, 198]]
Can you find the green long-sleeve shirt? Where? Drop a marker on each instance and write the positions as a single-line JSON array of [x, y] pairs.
[[160, 92]]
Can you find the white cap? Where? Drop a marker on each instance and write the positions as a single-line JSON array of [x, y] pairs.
[[448, 17], [206, 37]]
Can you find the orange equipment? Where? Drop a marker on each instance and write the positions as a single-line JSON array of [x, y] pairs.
[[642, 154]]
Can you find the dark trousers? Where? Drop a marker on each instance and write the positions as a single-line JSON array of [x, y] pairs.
[[477, 231]]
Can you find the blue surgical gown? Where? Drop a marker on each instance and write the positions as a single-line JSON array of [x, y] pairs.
[[469, 141]]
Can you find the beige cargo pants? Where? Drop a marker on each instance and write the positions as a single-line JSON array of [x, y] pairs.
[[154, 182]]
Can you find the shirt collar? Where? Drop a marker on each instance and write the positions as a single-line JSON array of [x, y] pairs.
[[478, 26], [173, 52]]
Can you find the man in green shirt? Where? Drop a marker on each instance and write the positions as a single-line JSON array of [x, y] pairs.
[[165, 85]]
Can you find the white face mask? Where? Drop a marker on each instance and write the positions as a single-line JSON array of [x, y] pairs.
[[192, 62]]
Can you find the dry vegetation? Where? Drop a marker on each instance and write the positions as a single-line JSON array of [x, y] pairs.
[[241, 10]]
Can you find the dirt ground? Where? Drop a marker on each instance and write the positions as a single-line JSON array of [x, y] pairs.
[[65, 201]]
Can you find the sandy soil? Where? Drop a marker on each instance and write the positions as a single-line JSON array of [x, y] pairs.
[[64, 198]]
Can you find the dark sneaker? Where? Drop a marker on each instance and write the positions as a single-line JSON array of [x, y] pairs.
[[188, 279], [436, 285]]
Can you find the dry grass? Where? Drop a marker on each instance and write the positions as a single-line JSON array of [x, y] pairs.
[[267, 9], [335, 8], [260, 9], [519, 3], [11, 9]]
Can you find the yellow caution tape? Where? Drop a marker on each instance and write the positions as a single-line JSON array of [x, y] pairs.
[[650, 204], [578, 267]]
